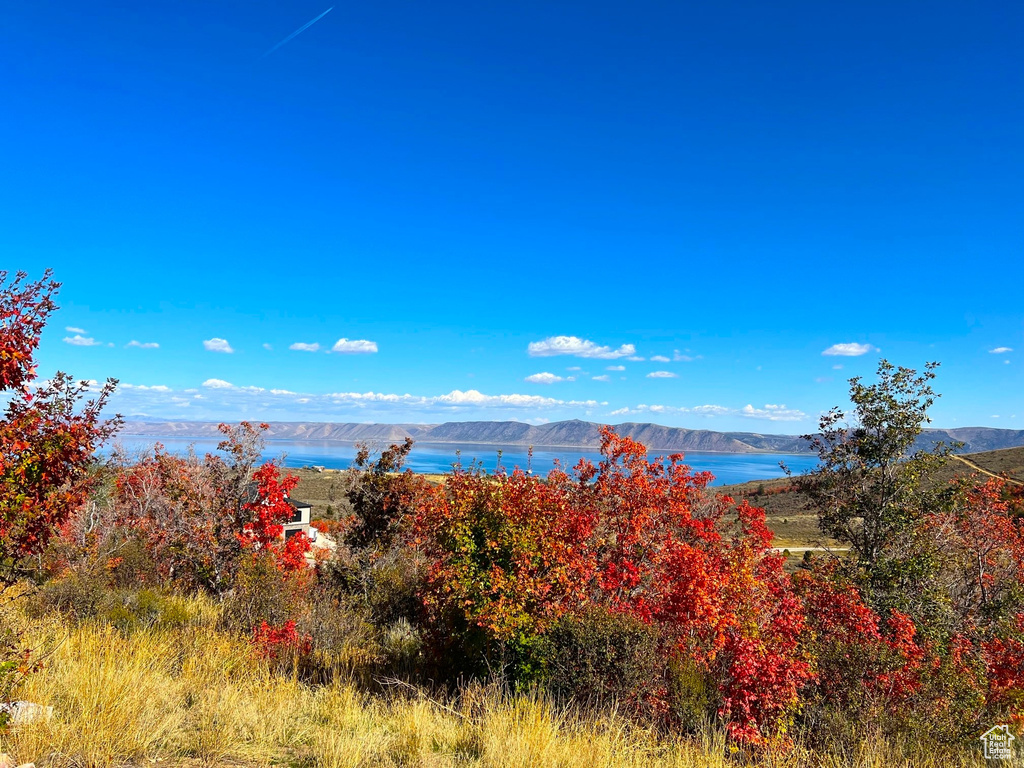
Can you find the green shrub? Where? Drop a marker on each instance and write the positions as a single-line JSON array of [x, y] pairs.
[[343, 638], [602, 658], [691, 694], [135, 566], [263, 592], [128, 610], [79, 595]]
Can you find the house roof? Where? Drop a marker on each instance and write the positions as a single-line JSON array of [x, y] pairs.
[[297, 503]]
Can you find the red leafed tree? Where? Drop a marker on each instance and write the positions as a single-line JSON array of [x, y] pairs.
[[982, 549], [508, 554], [200, 515], [48, 432], [674, 554]]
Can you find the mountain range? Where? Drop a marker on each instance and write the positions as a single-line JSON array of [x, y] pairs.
[[562, 434]]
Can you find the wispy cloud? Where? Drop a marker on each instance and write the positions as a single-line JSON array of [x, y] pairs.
[[223, 399], [145, 388], [996, 351], [299, 346], [660, 359], [662, 375], [768, 413], [615, 368], [143, 344], [268, 347], [218, 345], [78, 340], [354, 346], [543, 378], [851, 349], [72, 329], [602, 377], [679, 357], [577, 347]]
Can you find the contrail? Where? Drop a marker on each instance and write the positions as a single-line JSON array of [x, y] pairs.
[[298, 31]]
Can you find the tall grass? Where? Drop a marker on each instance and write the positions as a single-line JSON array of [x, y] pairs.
[[193, 694]]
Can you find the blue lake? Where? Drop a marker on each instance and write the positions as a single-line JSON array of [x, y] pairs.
[[728, 468]]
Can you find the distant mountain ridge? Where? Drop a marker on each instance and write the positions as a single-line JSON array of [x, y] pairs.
[[561, 434]]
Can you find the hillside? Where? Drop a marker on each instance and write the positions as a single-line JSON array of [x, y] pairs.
[[564, 434], [795, 523]]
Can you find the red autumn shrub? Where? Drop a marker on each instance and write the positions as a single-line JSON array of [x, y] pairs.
[[280, 644], [1004, 665], [199, 516], [48, 433], [510, 554], [673, 554]]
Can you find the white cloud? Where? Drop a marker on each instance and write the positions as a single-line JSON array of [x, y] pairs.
[[473, 397], [662, 375], [78, 340], [299, 346], [615, 368], [574, 368], [770, 412], [267, 347], [144, 388], [218, 345], [72, 329], [660, 359], [996, 351], [773, 413], [679, 357], [224, 401], [577, 347], [851, 349], [635, 359], [143, 344], [711, 410], [837, 367], [605, 377], [543, 378], [699, 410], [354, 346]]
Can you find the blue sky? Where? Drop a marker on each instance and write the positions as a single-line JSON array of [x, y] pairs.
[[736, 187]]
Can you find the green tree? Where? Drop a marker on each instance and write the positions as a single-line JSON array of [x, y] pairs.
[[867, 487]]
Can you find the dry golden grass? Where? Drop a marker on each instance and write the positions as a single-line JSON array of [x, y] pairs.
[[194, 696]]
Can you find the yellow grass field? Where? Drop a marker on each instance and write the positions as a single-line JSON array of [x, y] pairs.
[[193, 695]]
